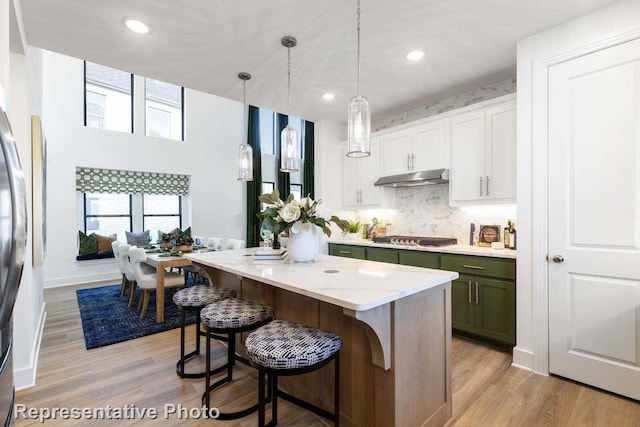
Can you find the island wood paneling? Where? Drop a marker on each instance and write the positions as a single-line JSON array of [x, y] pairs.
[[417, 388]]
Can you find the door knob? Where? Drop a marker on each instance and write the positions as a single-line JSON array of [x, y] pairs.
[[558, 258]]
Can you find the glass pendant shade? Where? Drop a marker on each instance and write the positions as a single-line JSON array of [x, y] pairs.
[[290, 151], [359, 127], [245, 163]]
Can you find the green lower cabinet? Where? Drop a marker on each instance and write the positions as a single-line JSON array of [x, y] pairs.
[[382, 255], [484, 307], [347, 251], [496, 311], [419, 259], [463, 305]]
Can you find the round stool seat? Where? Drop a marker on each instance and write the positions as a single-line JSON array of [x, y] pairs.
[[286, 345], [199, 296], [233, 313]]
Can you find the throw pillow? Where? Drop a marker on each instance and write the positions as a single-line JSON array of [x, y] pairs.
[[175, 232], [137, 239], [104, 243], [88, 245]]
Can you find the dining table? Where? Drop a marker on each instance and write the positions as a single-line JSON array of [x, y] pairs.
[[161, 261]]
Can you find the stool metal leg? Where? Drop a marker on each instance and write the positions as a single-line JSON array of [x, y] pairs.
[[261, 399], [336, 390], [274, 405], [208, 374]]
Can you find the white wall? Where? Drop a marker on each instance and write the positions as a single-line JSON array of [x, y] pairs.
[[605, 27], [20, 75], [213, 129]]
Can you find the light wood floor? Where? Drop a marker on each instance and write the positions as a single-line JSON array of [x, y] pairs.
[[487, 391]]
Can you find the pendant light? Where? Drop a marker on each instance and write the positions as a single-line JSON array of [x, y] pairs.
[[245, 154], [290, 149], [358, 114]]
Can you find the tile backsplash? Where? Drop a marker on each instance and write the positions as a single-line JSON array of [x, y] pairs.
[[484, 93], [425, 211]]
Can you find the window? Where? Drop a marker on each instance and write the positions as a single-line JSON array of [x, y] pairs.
[[161, 212], [107, 214], [267, 131], [267, 187], [95, 109], [165, 110], [108, 98], [296, 190]]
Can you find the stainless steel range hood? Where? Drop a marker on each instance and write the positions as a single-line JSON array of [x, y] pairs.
[[412, 179]]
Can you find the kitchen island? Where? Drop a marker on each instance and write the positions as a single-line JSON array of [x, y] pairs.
[[395, 322]]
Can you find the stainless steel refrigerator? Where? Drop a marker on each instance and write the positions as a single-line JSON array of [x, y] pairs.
[[13, 239]]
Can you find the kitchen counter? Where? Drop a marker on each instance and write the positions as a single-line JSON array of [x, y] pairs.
[[394, 320], [348, 283], [453, 249]]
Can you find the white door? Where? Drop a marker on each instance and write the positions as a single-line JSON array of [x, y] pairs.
[[594, 219], [467, 157], [351, 182], [396, 158], [370, 168], [500, 152], [430, 148]]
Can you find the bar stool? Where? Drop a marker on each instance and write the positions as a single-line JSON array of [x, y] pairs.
[[230, 317], [283, 348], [195, 298]]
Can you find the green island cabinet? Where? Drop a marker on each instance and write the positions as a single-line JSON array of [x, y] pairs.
[[483, 298]]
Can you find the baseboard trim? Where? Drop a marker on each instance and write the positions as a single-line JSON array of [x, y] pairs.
[[26, 377], [522, 359], [81, 280]]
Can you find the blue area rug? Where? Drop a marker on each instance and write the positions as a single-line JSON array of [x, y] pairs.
[[107, 319]]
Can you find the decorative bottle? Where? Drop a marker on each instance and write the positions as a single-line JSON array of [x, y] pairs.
[[507, 231], [512, 236]]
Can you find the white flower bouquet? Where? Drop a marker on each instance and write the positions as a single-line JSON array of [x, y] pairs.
[[291, 215]]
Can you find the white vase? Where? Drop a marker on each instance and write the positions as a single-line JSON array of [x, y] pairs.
[[304, 244], [353, 236]]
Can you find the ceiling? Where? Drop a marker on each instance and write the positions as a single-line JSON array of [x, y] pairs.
[[203, 44]]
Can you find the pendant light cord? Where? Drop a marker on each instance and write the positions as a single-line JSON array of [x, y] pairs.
[[244, 104], [358, 48], [289, 76]]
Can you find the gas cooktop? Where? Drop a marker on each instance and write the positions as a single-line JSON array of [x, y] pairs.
[[417, 241]]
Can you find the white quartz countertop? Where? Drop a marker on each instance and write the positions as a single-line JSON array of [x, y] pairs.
[[453, 249], [349, 283]]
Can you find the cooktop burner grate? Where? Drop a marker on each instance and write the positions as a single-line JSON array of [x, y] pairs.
[[417, 241]]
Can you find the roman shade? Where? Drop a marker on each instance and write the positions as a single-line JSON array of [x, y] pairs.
[[93, 180]]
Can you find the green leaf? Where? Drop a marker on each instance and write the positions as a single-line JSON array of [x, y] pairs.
[[327, 231], [290, 198], [267, 199]]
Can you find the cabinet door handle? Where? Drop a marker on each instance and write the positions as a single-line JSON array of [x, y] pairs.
[[477, 292], [480, 186], [408, 162], [347, 253], [473, 267], [487, 185], [469, 291], [413, 162]]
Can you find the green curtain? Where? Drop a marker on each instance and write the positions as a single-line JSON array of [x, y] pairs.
[[283, 177], [254, 188], [308, 183]]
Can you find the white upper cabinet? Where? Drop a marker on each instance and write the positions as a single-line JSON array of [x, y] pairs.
[[483, 155], [416, 148], [359, 176], [467, 157]]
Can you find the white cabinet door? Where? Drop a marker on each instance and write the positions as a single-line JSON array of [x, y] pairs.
[[467, 157], [500, 152], [396, 152], [351, 183], [370, 168], [430, 148]]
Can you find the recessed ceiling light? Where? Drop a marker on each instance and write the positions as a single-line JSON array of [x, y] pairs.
[[328, 96], [136, 26], [414, 55]]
